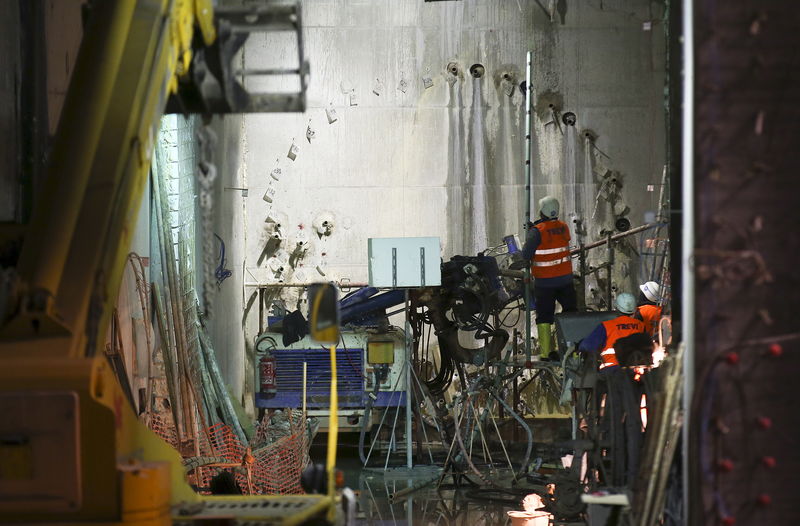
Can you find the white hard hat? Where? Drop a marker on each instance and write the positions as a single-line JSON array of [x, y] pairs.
[[626, 303], [548, 206], [651, 291]]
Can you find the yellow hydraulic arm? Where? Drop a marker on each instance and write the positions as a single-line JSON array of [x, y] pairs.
[[71, 448]]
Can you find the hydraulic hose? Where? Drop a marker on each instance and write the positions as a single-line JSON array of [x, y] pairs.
[[524, 425], [447, 334]]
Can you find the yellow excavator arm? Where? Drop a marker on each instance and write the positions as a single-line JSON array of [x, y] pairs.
[[71, 447]]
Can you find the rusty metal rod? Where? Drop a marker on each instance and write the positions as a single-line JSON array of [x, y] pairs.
[[615, 237], [345, 285]]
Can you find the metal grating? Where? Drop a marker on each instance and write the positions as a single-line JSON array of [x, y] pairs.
[[253, 511], [289, 377]]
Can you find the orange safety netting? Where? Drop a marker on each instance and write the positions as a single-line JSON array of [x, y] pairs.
[[162, 424], [276, 459]]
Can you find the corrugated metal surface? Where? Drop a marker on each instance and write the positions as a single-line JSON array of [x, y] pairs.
[[289, 375]]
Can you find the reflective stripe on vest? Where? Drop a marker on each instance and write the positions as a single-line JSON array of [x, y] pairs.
[[550, 263], [619, 327], [551, 250], [551, 258]]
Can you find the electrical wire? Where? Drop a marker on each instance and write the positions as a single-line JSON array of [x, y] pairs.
[[518, 309], [221, 273]]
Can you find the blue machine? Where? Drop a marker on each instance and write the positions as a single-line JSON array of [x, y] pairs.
[[282, 359]]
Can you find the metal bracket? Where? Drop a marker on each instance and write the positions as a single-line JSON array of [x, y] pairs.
[[214, 86], [422, 265], [394, 267]]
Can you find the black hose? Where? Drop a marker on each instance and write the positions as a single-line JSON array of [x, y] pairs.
[[447, 332], [444, 375]]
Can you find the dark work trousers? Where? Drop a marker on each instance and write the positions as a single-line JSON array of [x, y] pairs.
[[546, 298]]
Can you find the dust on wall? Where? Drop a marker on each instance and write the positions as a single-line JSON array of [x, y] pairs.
[[389, 143]]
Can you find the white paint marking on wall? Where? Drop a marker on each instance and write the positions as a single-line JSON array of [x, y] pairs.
[[569, 211], [479, 201]]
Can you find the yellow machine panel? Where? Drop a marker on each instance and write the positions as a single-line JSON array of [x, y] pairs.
[[380, 351]]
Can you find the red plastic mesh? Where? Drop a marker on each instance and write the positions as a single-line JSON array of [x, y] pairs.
[[276, 468], [162, 424], [220, 441], [277, 465]]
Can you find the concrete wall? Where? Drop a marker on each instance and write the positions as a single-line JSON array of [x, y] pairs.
[[416, 161], [605, 62], [226, 327]]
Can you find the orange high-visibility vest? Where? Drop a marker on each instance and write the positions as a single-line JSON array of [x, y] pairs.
[[650, 315], [617, 328], [551, 259]]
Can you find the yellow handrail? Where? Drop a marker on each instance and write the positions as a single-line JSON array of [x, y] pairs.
[[333, 430]]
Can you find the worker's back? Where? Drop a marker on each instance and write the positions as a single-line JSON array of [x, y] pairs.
[[620, 327]]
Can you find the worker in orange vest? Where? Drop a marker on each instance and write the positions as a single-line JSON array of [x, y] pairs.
[[547, 248], [607, 333], [649, 310]]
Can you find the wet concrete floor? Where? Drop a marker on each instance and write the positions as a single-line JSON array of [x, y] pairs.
[[381, 498]]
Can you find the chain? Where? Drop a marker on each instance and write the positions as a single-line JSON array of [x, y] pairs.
[[206, 174]]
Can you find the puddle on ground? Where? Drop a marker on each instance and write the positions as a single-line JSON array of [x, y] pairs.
[[417, 497], [394, 497]]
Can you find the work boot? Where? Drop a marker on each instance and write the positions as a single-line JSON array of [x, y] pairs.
[[545, 341]]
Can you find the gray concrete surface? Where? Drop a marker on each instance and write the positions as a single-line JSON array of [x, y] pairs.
[[404, 163]]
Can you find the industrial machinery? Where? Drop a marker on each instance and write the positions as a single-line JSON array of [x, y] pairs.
[[372, 354], [72, 449], [293, 372], [369, 366]]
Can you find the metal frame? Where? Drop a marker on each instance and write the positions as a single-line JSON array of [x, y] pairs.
[[687, 247]]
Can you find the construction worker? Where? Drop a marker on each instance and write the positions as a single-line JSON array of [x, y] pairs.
[[547, 248], [649, 310], [607, 333]]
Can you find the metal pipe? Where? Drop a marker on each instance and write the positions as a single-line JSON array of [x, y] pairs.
[[524, 425], [687, 246], [269, 71], [343, 285], [399, 494], [408, 382], [528, 196], [169, 311], [305, 391], [260, 311], [225, 404], [609, 268], [173, 290], [41, 265], [615, 237]]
